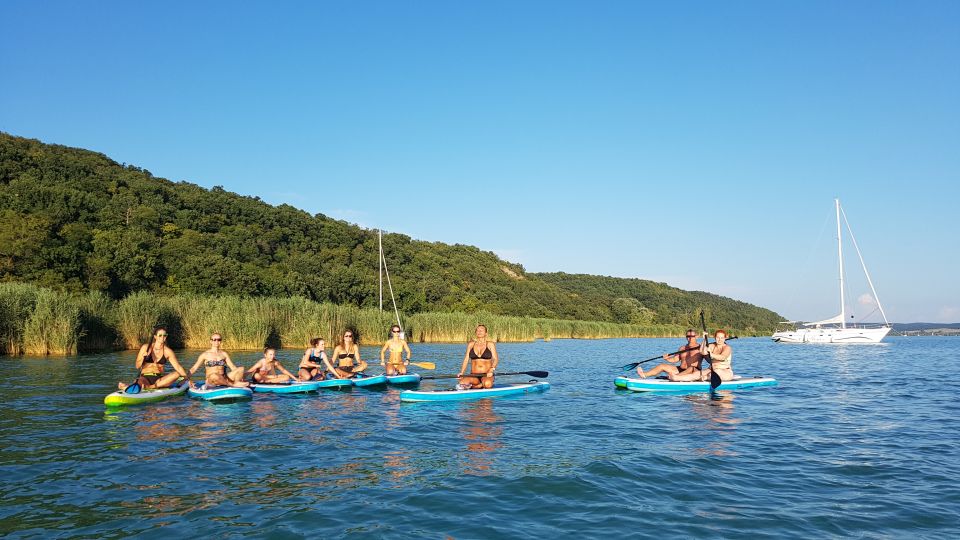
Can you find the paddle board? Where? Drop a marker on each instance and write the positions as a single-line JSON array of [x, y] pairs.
[[120, 398], [461, 395], [375, 380], [335, 383], [221, 394], [666, 385], [409, 378], [298, 387]]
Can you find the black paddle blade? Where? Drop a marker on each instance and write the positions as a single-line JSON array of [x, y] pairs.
[[628, 367], [537, 374], [715, 380]]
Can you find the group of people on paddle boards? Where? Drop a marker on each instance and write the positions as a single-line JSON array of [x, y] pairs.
[[221, 371], [346, 363], [690, 357]]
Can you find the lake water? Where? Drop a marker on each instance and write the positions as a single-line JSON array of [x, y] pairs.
[[856, 441]]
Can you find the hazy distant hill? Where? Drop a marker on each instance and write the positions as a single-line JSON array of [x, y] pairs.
[[77, 220], [920, 326]]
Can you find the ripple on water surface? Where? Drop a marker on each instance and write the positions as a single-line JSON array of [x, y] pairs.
[[856, 441]]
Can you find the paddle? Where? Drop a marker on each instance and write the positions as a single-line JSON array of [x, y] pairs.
[[134, 387], [685, 349], [537, 374], [424, 365], [715, 379]]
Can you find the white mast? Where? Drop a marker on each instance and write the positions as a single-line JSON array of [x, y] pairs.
[[383, 269], [380, 262], [843, 315]]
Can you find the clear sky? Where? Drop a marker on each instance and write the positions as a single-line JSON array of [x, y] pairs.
[[696, 143]]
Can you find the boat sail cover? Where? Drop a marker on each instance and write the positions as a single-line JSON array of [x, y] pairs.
[[833, 320]]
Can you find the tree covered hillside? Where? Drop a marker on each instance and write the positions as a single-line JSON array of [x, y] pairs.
[[76, 220]]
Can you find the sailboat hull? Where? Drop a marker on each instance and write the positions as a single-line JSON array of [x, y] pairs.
[[832, 335]]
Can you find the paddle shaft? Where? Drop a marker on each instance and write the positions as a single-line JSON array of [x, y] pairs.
[[683, 350], [715, 379], [538, 374]]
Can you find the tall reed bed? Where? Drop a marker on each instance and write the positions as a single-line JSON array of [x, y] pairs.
[[454, 327], [98, 322], [297, 320], [17, 301], [139, 313], [54, 325], [35, 320]]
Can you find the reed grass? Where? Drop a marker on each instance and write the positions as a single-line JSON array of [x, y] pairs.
[[139, 313], [98, 320], [17, 301], [35, 320], [54, 325]]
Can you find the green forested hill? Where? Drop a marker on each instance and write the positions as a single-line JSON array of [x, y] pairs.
[[76, 220]]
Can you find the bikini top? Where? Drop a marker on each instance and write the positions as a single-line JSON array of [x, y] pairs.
[[148, 359], [486, 355], [219, 362], [343, 356], [396, 347]]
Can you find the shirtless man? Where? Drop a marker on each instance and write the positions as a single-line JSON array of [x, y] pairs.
[[689, 355]]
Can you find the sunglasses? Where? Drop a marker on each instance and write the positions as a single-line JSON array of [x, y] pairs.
[[216, 339], [691, 335], [161, 335], [395, 330], [348, 335]]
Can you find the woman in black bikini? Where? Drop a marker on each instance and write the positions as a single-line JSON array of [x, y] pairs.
[[315, 362], [346, 357], [483, 354], [216, 362], [151, 359]]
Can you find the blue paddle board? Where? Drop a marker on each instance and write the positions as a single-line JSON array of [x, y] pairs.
[[462, 395]]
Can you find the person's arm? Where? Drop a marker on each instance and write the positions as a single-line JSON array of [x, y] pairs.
[[226, 358], [361, 365], [407, 348], [466, 358], [496, 358], [256, 365], [383, 350], [141, 356], [326, 362], [174, 363], [725, 355], [283, 369], [196, 365], [306, 357]]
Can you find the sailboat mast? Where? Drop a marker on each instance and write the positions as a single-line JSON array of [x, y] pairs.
[[380, 262], [843, 314]]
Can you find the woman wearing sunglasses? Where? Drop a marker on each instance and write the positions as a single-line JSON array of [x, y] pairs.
[[483, 359], [217, 361], [152, 358], [396, 345], [346, 356]]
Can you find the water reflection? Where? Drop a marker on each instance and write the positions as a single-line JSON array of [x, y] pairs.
[[715, 412], [480, 428]]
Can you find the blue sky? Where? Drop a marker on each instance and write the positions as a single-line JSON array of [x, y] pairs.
[[696, 143]]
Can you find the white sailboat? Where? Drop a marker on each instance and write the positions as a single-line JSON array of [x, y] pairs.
[[836, 329]]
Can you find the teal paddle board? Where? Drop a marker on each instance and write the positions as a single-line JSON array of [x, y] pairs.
[[462, 395]]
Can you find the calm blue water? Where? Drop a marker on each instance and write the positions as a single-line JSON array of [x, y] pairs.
[[868, 448]]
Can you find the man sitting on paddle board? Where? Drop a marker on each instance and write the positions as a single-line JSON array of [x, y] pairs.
[[689, 356]]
